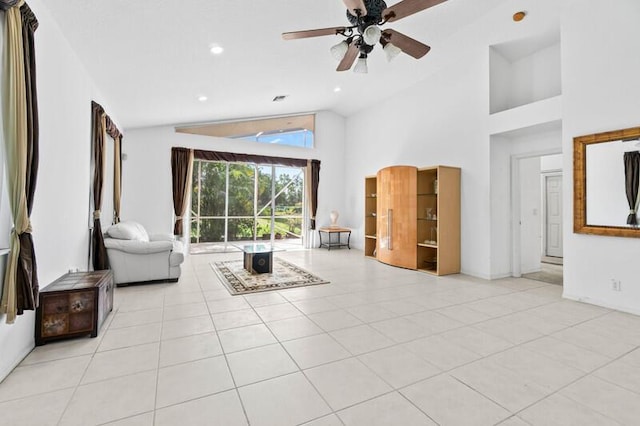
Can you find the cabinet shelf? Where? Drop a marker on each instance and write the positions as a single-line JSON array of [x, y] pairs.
[[428, 194], [435, 246], [427, 220], [372, 237]]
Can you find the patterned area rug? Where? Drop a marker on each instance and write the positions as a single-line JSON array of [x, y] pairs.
[[285, 275]]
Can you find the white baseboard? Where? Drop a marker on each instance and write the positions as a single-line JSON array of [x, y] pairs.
[[592, 301]]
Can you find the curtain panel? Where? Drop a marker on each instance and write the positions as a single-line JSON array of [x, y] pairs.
[[20, 113], [181, 170], [314, 184], [102, 125], [632, 180]]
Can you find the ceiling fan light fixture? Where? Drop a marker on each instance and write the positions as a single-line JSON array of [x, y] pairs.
[[339, 50], [371, 35], [391, 51], [361, 65]]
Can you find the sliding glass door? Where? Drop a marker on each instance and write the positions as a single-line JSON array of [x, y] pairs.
[[234, 202]]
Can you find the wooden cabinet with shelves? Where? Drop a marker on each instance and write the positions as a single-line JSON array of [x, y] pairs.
[[417, 212], [370, 216]]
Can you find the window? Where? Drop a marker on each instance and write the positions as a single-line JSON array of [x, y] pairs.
[[300, 137], [234, 202]]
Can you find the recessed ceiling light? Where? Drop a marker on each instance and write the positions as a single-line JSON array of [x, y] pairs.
[[337, 89], [203, 98], [216, 49]]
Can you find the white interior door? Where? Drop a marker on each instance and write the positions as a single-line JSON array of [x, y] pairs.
[[553, 190]]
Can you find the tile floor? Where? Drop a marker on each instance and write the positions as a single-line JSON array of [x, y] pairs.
[[377, 346]]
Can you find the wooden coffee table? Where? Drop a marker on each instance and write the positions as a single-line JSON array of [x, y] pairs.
[[334, 242]]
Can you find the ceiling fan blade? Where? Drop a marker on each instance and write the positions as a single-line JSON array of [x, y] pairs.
[[313, 33], [408, 7], [408, 45], [354, 5], [349, 58]]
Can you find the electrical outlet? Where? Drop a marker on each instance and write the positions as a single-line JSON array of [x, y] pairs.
[[616, 285]]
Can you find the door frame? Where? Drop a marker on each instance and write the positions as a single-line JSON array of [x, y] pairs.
[[544, 176], [516, 238]]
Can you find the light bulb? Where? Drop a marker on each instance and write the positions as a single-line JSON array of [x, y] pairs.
[[339, 50], [371, 35], [361, 65], [391, 51]]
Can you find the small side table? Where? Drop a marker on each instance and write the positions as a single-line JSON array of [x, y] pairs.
[[332, 242]]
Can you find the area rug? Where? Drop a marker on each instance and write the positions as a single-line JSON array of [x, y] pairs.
[[285, 275]]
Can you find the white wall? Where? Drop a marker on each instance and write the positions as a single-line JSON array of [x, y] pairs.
[[551, 163], [147, 196], [601, 91], [61, 206], [530, 213]]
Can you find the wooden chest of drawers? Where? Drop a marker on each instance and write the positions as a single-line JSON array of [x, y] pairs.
[[76, 304]]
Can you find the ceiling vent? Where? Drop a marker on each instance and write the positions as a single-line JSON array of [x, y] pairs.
[[280, 98]]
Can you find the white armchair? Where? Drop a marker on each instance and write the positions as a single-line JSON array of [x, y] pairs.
[[135, 256]]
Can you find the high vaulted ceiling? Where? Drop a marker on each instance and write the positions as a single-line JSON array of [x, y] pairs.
[[151, 57]]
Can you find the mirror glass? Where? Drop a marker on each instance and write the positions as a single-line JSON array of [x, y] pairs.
[[607, 203]]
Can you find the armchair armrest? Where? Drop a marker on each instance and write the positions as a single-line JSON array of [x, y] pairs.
[[138, 247]]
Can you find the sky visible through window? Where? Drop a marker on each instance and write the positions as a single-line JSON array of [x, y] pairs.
[[299, 138]]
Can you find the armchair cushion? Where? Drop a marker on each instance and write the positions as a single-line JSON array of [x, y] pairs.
[[128, 231]]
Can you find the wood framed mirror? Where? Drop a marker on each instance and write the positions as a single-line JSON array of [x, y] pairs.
[[606, 175]]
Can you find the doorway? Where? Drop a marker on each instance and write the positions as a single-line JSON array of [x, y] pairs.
[[537, 217]]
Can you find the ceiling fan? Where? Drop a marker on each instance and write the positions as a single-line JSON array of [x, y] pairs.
[[366, 18]]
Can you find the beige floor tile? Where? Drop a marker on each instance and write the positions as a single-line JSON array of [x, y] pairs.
[[126, 396], [315, 350], [184, 299], [223, 409], [278, 312], [400, 329], [284, 401], [251, 336], [335, 320], [254, 365], [371, 313], [43, 377], [330, 420], [38, 410], [567, 353], [145, 419], [476, 341], [121, 362], [185, 311], [609, 345], [440, 352], [129, 319], [389, 409], [449, 402], [294, 328], [63, 349], [514, 421], [505, 387], [130, 336], [464, 314], [186, 327], [434, 322], [347, 382], [190, 348], [361, 339], [226, 305], [315, 306], [235, 319], [622, 374], [558, 410], [184, 382], [609, 400], [264, 299], [398, 367], [402, 306]]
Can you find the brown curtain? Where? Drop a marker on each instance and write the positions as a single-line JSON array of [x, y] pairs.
[[20, 110], [27, 272], [181, 169], [632, 180], [6, 4], [98, 250], [315, 182], [117, 178], [247, 158]]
